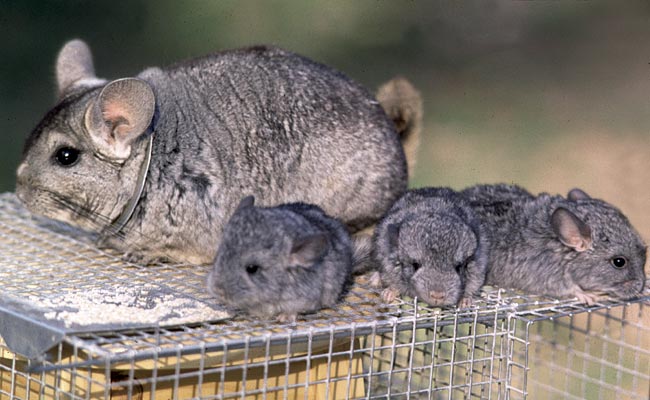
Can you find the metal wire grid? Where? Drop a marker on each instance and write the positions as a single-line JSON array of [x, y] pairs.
[[447, 355], [43, 265], [600, 354], [538, 349], [362, 349]]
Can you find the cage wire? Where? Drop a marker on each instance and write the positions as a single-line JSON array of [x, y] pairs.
[[78, 322]]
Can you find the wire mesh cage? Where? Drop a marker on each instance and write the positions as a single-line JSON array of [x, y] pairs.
[[80, 323]]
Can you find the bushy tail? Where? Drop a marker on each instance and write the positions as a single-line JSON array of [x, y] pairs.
[[403, 104], [362, 253]]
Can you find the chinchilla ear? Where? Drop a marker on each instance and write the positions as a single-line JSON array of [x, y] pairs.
[[308, 249], [577, 194], [392, 237], [119, 115], [246, 202], [74, 64], [570, 230], [468, 242]]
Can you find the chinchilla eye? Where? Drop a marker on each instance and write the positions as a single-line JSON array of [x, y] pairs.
[[416, 265], [67, 156], [458, 267], [618, 262], [252, 268]]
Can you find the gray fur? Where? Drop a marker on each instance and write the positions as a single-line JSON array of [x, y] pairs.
[[304, 260], [491, 195], [557, 246], [362, 248], [434, 231], [259, 121]]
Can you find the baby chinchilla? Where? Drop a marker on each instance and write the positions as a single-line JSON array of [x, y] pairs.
[[281, 261], [565, 247], [429, 245], [155, 163]]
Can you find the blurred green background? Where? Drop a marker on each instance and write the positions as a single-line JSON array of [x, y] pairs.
[[548, 94]]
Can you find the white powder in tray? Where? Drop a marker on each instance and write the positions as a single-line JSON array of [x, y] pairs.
[[143, 305]]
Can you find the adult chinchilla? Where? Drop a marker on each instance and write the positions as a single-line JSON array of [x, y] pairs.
[[156, 163]]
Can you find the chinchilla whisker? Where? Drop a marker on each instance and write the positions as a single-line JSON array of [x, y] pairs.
[[98, 221], [94, 218], [79, 210]]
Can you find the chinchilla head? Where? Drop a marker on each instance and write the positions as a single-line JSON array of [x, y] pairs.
[[602, 252], [268, 262], [80, 163], [432, 252]]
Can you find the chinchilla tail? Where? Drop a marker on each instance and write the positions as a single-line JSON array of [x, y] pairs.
[[362, 254], [403, 104]]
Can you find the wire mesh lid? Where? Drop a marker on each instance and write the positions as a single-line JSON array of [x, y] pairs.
[[54, 281]]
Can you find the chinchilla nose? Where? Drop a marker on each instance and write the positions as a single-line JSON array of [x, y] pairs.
[[634, 285], [437, 296]]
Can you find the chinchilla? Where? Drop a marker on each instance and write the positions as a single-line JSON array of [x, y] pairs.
[[576, 246], [281, 261], [155, 163], [429, 245]]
